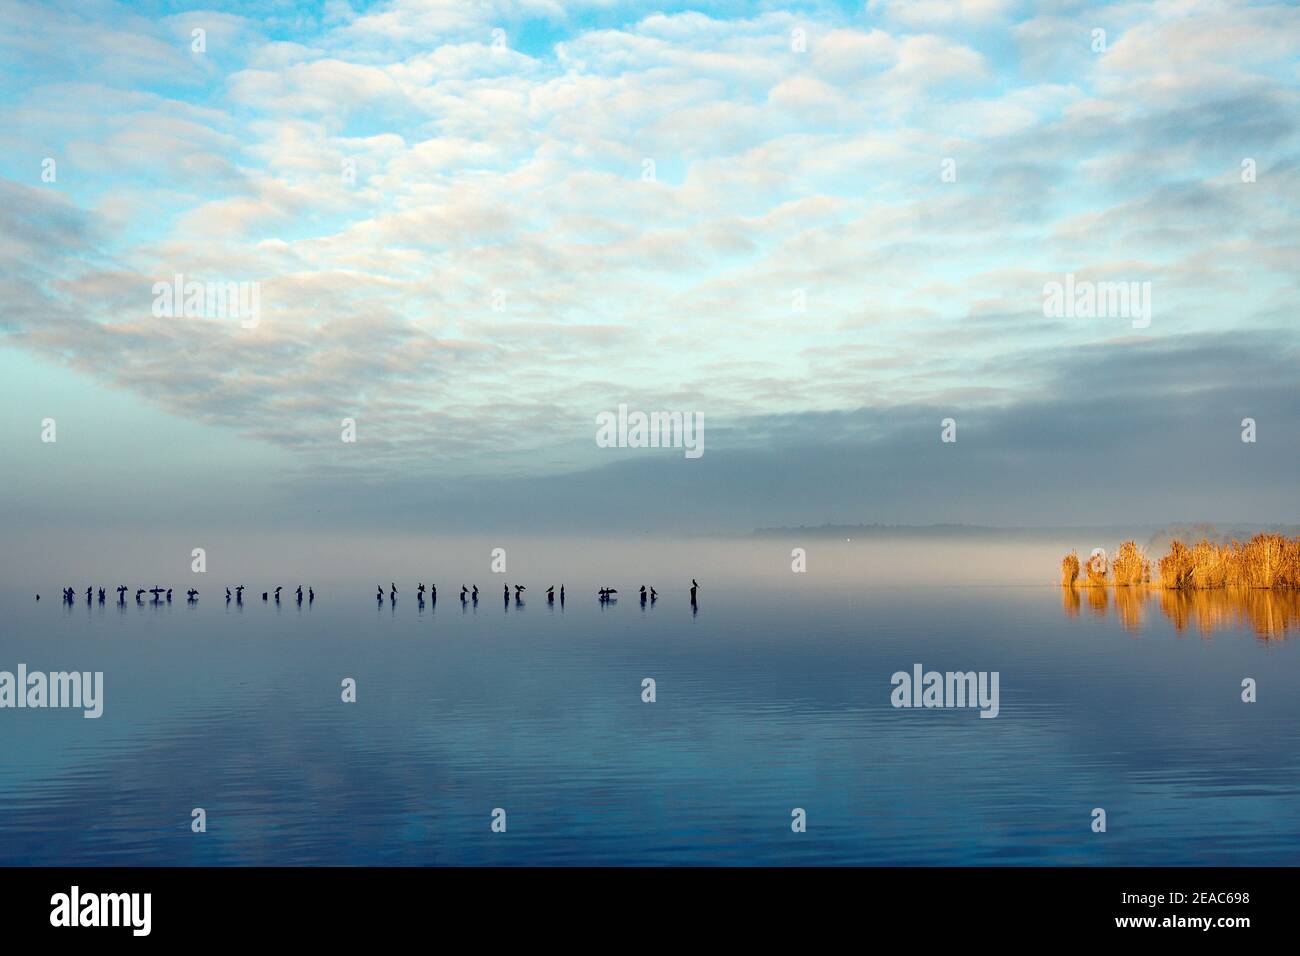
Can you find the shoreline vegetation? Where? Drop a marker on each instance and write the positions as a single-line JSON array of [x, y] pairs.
[[1266, 561]]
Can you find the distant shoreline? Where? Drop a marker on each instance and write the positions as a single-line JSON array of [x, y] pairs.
[[1155, 534]]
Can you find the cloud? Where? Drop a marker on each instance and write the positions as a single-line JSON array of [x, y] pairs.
[[474, 247]]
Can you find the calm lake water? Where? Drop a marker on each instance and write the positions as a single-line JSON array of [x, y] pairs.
[[765, 702]]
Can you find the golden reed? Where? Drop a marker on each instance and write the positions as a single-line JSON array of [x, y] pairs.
[[1269, 561]]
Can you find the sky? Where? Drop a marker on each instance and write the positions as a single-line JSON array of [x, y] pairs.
[[474, 227]]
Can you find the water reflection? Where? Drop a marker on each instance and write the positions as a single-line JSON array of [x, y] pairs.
[[1270, 614]]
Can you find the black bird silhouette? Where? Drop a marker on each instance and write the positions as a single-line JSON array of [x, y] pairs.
[[561, 595], [191, 595], [433, 593], [463, 591], [227, 595], [311, 595], [300, 594], [263, 595], [550, 594], [654, 595], [88, 592], [169, 595], [643, 594], [38, 597], [121, 593]]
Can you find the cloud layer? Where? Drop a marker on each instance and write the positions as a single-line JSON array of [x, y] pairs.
[[476, 226]]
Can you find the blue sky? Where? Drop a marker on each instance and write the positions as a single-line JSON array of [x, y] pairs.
[[500, 270]]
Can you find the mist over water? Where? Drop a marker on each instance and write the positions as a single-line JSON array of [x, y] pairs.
[[341, 560]]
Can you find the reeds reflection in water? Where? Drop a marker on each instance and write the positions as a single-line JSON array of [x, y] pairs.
[[1270, 614]]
